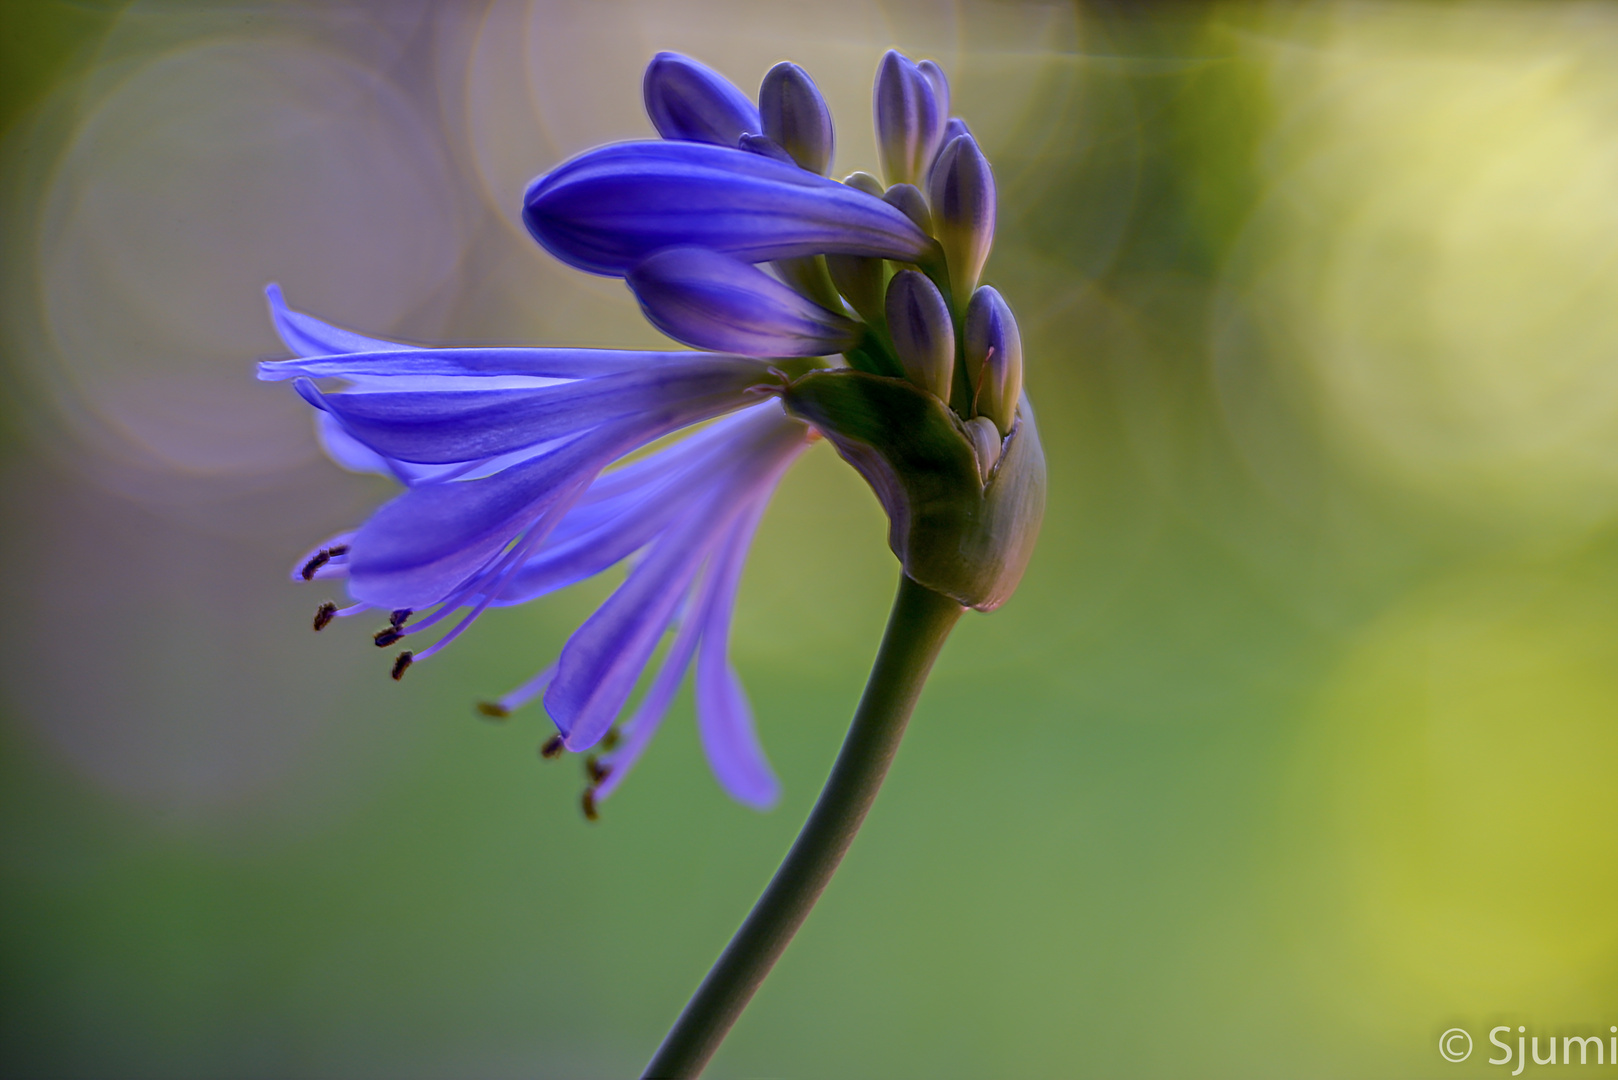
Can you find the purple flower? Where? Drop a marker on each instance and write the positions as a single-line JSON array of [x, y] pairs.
[[514, 461]]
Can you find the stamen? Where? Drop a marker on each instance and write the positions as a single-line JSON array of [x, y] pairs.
[[324, 614], [337, 549], [384, 638], [398, 617], [552, 748], [595, 770], [981, 369], [493, 710], [316, 561], [402, 665], [610, 739], [588, 803]]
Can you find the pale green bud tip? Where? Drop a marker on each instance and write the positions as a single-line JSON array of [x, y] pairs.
[[864, 181], [961, 188], [919, 322], [795, 116], [992, 352]]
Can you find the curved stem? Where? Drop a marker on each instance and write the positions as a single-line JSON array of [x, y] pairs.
[[920, 621]]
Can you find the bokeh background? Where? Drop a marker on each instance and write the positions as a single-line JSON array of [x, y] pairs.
[[1298, 746]]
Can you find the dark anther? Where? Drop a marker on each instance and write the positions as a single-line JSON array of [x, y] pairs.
[[337, 549], [324, 614], [552, 748], [610, 739], [588, 802], [493, 710], [384, 638], [397, 619], [402, 665], [316, 561], [596, 771]]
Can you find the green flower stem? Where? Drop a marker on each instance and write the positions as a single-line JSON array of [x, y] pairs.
[[920, 621]]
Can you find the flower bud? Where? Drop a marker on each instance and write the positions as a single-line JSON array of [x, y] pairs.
[[796, 117], [860, 279], [918, 320], [993, 357], [694, 103], [715, 301], [908, 200], [962, 192], [986, 441], [909, 118], [864, 181]]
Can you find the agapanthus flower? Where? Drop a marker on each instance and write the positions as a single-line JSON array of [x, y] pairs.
[[844, 308]]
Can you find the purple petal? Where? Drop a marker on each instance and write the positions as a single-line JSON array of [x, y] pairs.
[[308, 336], [690, 101], [423, 546], [602, 661], [715, 301], [609, 208], [440, 426], [623, 510], [724, 718], [384, 369]]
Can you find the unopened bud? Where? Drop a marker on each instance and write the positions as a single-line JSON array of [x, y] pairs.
[[908, 200], [795, 116], [962, 192], [986, 442], [993, 356], [918, 320], [864, 181], [909, 118], [692, 102]]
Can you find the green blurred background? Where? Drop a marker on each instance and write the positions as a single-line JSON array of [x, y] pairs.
[[1296, 749]]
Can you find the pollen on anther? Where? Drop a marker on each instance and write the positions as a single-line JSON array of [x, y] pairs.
[[402, 665], [588, 803], [337, 549], [398, 617], [595, 770], [316, 561], [324, 614], [552, 748], [610, 739], [384, 638], [493, 710]]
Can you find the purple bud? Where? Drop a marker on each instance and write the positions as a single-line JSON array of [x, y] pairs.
[[694, 103], [918, 320], [909, 118], [908, 200], [962, 192], [796, 117], [714, 301], [993, 358]]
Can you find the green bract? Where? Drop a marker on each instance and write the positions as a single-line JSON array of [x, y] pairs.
[[954, 533]]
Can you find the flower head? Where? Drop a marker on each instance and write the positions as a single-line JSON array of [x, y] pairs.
[[518, 464]]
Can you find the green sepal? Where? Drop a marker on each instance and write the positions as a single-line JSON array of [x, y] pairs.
[[952, 532]]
